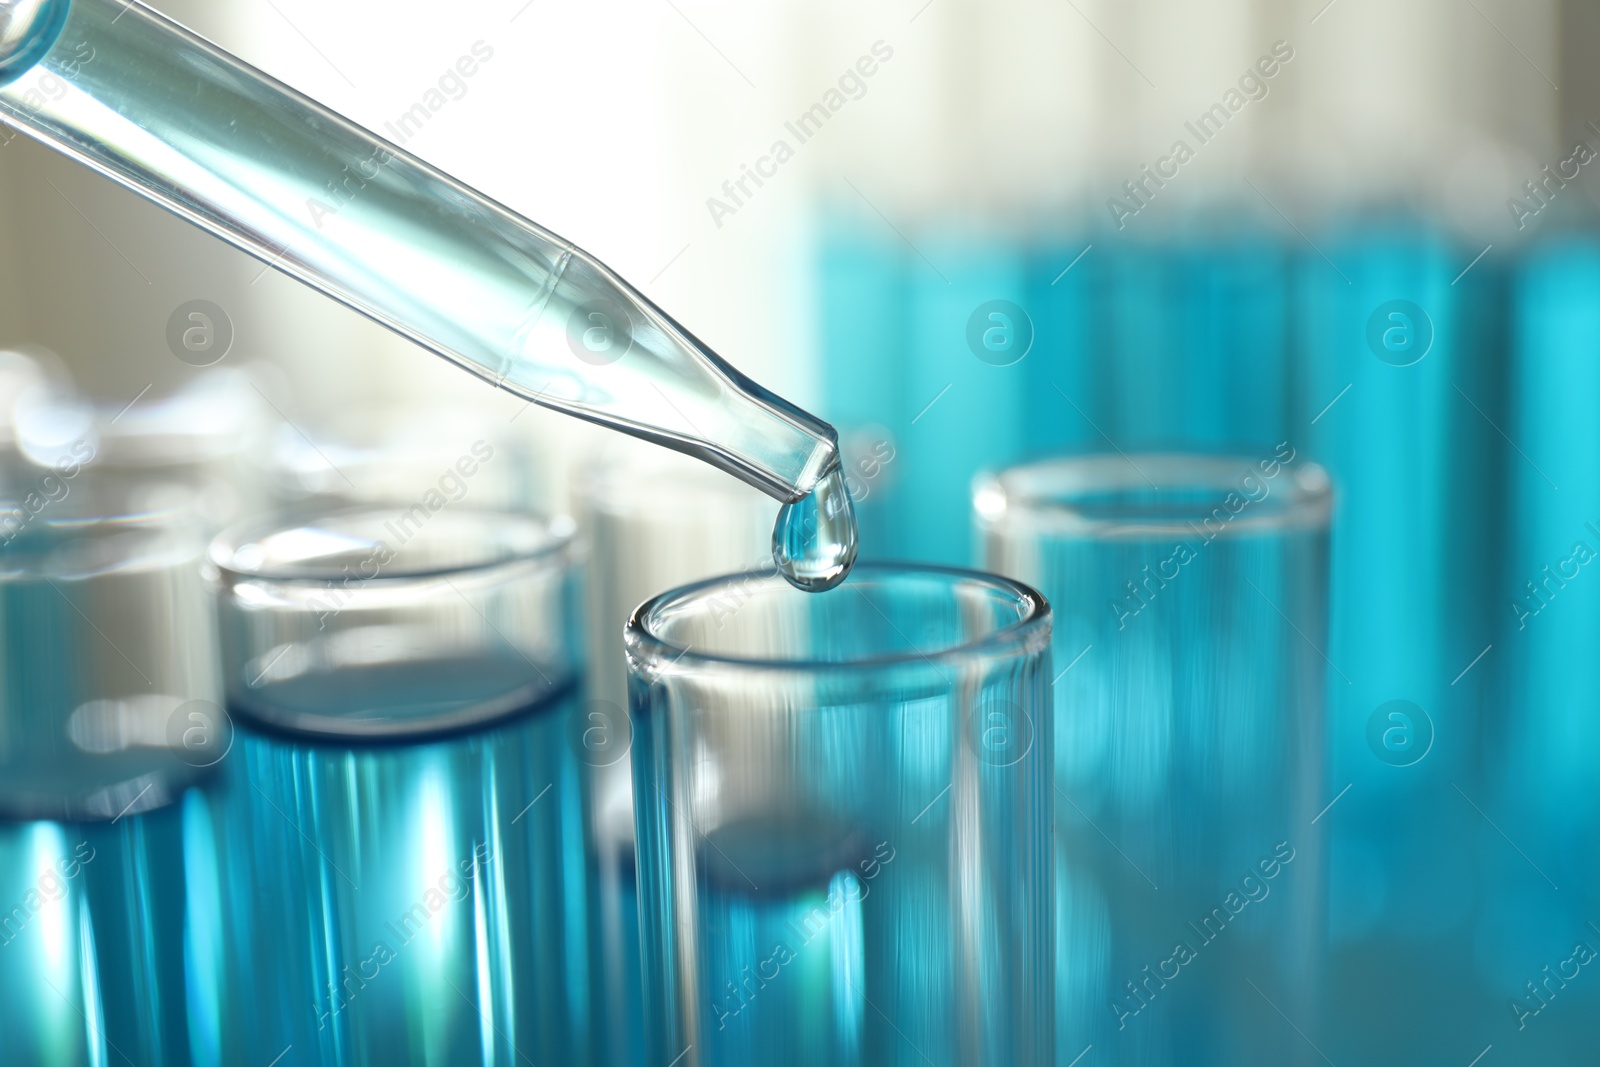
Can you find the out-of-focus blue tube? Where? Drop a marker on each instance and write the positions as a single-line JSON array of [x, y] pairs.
[[1232, 339], [1189, 729], [1122, 343], [1061, 400], [1540, 880], [1394, 396], [933, 384], [1192, 339], [965, 383], [862, 335]]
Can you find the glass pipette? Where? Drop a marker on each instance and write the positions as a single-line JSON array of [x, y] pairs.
[[132, 94]]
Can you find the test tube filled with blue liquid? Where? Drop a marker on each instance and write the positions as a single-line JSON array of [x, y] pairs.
[[402, 834], [109, 721], [1537, 928], [1190, 599], [1401, 395]]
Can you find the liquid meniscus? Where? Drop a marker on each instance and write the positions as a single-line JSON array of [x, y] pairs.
[[814, 543]]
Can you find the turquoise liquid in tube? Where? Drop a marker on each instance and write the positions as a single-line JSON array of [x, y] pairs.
[[133, 95]]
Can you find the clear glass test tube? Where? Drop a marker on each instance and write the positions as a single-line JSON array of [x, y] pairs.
[[843, 811], [1190, 599], [109, 713], [399, 838]]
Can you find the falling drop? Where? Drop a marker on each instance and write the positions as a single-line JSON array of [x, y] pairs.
[[814, 541]]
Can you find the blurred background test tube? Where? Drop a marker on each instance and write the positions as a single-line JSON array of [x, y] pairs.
[[396, 866], [1190, 595], [1400, 397], [843, 809], [1537, 862], [108, 715]]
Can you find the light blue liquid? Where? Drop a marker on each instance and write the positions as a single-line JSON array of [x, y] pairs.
[[817, 942], [92, 939], [416, 902], [783, 943]]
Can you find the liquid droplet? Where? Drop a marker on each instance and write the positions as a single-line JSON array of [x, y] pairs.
[[814, 541]]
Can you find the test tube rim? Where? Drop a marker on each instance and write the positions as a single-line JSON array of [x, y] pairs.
[[165, 532], [654, 656], [1043, 495], [38, 36], [555, 544]]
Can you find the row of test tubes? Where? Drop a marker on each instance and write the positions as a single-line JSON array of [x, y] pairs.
[[427, 778], [402, 827]]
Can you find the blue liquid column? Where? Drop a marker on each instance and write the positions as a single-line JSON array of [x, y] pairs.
[[1062, 399], [1542, 902], [108, 658], [92, 961], [862, 334], [399, 835], [965, 410], [1233, 341], [901, 329], [1193, 343], [1185, 343], [1388, 371], [1139, 348], [403, 903]]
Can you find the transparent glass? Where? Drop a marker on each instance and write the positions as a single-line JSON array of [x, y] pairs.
[[386, 453], [398, 852], [197, 440], [138, 98], [651, 522], [108, 643], [1190, 595], [108, 715], [843, 813]]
